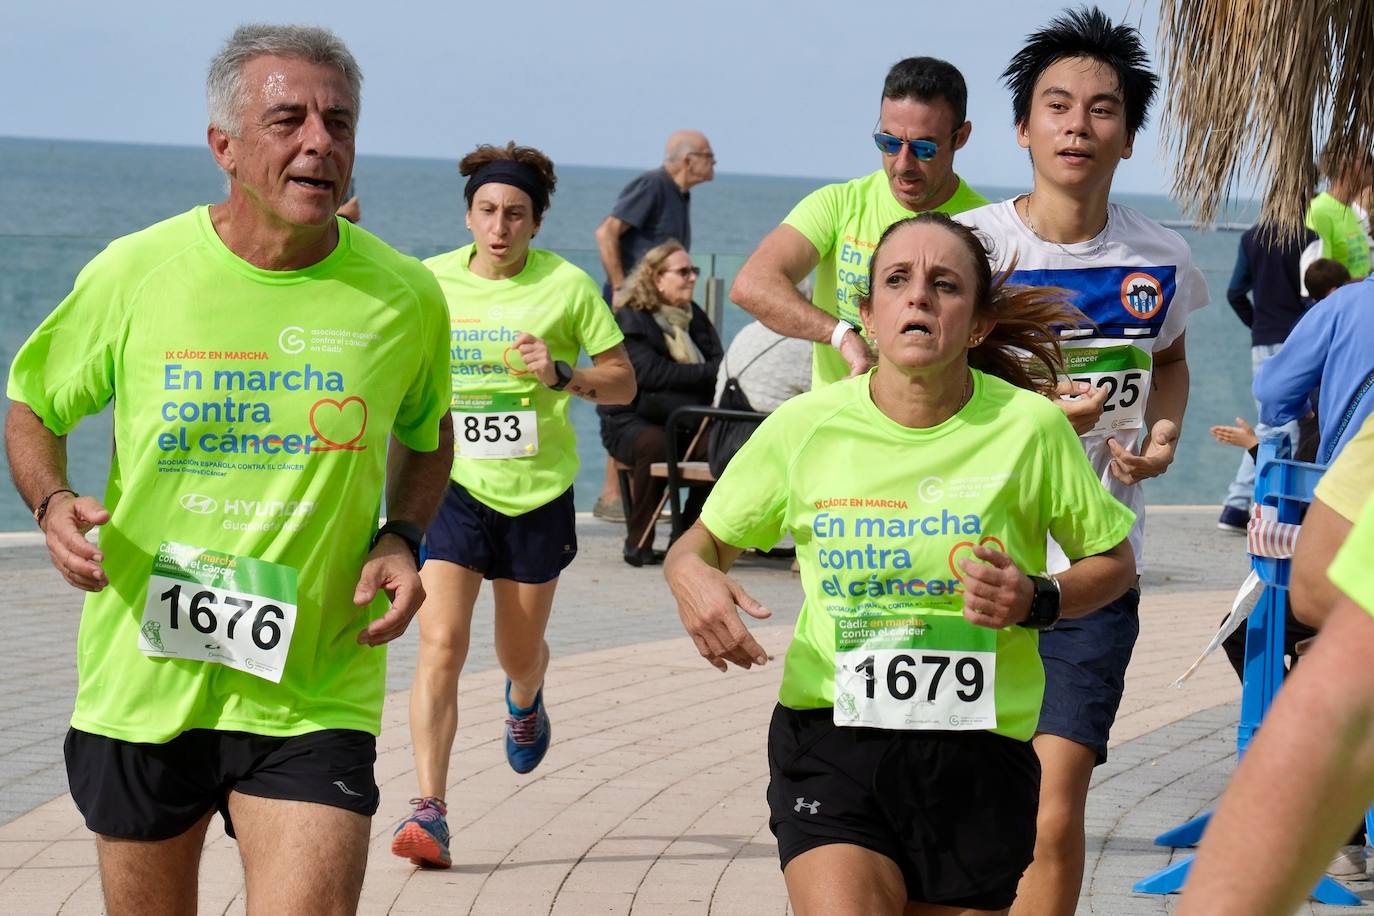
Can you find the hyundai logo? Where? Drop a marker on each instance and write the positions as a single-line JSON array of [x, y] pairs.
[[200, 505]]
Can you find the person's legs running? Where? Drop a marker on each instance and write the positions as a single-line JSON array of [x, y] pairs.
[[445, 628], [1051, 884], [1085, 662], [842, 878], [522, 616], [152, 877], [300, 857]]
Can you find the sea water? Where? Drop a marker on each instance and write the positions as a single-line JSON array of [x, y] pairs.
[[63, 201]]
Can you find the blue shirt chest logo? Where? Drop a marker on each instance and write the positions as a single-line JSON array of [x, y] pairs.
[[1122, 301]]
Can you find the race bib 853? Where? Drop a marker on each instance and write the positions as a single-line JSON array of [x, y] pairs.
[[495, 426]]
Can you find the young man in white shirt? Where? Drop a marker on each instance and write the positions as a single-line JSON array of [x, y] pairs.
[[1081, 89]]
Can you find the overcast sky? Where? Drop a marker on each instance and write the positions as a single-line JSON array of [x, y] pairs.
[[781, 88]]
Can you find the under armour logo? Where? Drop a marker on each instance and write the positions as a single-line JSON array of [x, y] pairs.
[[809, 806], [347, 791]]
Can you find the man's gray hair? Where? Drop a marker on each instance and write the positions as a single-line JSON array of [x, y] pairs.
[[224, 89]]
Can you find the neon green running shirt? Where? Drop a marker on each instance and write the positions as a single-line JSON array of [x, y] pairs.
[[1343, 236], [882, 513], [494, 395], [844, 221], [252, 413], [1350, 571]]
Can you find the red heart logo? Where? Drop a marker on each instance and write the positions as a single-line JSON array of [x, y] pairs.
[[505, 358], [954, 558], [339, 444]]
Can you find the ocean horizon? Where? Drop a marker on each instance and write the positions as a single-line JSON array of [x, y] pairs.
[[65, 200]]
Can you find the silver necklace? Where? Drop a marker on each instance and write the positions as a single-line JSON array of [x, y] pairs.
[[1082, 256]]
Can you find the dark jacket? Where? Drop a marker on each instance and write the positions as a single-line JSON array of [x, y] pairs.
[[663, 384], [1268, 267]]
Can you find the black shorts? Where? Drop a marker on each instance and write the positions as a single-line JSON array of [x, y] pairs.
[[1085, 663], [158, 791], [955, 810], [534, 547]]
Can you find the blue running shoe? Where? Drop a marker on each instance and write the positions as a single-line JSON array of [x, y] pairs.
[[423, 837], [527, 733]]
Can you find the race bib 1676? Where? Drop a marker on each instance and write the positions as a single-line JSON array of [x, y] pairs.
[[211, 606]]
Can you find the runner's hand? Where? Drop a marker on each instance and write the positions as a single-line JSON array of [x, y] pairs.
[[1242, 434], [535, 353], [855, 351], [390, 568], [1086, 407], [65, 524], [1154, 459], [706, 603], [996, 593]]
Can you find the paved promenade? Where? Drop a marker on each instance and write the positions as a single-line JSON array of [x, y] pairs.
[[651, 799]]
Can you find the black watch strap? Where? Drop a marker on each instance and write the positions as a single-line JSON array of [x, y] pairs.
[[409, 532], [564, 373], [1044, 609]]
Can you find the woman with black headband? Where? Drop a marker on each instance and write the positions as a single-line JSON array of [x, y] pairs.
[[519, 318]]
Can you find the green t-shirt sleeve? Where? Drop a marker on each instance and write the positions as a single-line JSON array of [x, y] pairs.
[[1351, 571], [748, 504], [596, 328], [427, 398], [1084, 518], [818, 217], [1320, 220], [66, 369]]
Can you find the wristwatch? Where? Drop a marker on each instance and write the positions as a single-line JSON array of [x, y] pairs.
[[564, 373], [1044, 609], [409, 532]]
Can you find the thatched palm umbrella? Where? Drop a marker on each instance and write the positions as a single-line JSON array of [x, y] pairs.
[[1259, 87]]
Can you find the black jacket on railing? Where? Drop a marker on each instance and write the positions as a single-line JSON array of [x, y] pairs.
[[663, 384]]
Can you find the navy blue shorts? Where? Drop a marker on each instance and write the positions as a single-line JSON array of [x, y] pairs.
[[532, 548], [1085, 672]]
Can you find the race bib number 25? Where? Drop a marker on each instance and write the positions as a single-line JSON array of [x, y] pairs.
[[936, 673], [1124, 371], [210, 606]]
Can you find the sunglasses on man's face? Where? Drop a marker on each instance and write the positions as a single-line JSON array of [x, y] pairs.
[[922, 149], [685, 273]]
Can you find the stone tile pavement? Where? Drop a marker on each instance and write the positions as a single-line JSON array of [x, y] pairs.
[[650, 800]]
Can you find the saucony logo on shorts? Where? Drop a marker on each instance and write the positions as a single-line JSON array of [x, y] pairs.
[[346, 790]]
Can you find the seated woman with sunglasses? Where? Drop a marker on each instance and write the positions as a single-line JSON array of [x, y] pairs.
[[675, 352], [920, 495]]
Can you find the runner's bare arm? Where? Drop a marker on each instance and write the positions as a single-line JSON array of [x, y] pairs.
[[609, 380], [608, 245], [38, 464], [707, 598], [415, 485], [1163, 419], [998, 594], [1311, 594], [766, 288], [1304, 780]]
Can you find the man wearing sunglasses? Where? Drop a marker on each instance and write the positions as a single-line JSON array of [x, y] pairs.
[[921, 123]]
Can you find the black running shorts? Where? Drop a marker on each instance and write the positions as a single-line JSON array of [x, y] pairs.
[[159, 791], [955, 810]]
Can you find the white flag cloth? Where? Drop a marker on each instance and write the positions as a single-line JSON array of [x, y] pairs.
[[1241, 606]]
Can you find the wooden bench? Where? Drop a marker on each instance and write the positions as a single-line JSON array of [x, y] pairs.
[[681, 473]]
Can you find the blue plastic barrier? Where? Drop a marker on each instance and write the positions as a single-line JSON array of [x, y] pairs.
[[1287, 486]]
